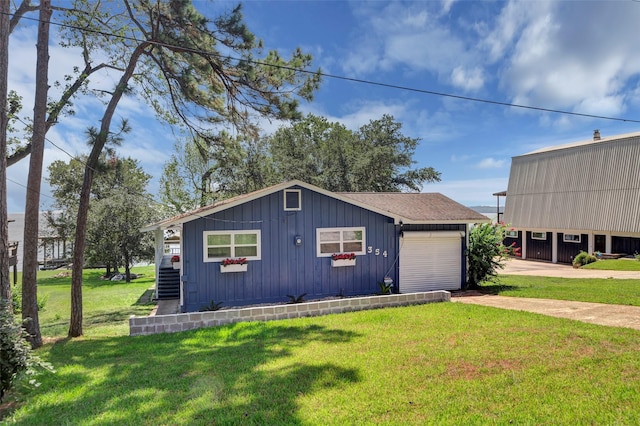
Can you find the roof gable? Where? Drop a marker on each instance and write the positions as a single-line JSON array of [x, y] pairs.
[[402, 207], [582, 187]]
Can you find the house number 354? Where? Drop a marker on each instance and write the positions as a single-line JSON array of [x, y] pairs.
[[376, 251]]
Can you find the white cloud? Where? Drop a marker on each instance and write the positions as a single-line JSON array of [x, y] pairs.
[[470, 192], [467, 79], [491, 163], [460, 158], [446, 5], [579, 56], [415, 37]]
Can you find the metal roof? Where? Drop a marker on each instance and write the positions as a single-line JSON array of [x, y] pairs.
[[584, 186]]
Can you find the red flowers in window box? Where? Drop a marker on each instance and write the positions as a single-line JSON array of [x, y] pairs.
[[343, 256], [239, 261], [175, 259]]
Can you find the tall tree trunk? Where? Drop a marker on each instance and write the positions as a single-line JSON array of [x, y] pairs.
[[127, 268], [5, 283], [75, 324], [32, 206]]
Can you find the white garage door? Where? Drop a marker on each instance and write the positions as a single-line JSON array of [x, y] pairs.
[[431, 261]]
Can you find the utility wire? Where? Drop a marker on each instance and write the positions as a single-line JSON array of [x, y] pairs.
[[29, 189], [339, 77], [73, 157]]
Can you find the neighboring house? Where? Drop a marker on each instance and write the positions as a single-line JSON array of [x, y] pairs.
[[51, 249], [580, 196], [289, 232]]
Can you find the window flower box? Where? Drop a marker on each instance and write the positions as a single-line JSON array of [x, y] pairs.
[[233, 268], [343, 259], [234, 265], [175, 262]]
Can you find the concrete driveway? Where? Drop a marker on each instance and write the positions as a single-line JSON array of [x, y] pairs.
[[544, 269], [595, 313]]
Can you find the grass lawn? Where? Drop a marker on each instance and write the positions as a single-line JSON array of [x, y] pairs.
[[598, 290], [107, 305], [615, 265], [445, 363]]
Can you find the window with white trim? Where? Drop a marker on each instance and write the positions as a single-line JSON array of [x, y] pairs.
[[511, 234], [292, 199], [538, 235], [220, 245], [571, 238], [340, 240]]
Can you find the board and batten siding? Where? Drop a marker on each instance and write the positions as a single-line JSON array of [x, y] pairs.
[[589, 186], [567, 251], [284, 268], [539, 249]]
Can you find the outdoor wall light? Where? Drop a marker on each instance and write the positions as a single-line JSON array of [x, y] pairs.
[[297, 240]]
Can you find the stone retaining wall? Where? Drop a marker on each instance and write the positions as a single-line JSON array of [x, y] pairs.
[[180, 322]]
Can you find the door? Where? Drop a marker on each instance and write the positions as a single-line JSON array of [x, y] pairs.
[[600, 243], [431, 261]]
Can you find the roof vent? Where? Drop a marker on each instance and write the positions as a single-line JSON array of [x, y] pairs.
[[596, 135]]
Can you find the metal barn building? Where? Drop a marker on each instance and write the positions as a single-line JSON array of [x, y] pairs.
[[579, 196]]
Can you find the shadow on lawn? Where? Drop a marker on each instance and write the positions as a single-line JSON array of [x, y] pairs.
[[60, 326], [243, 373], [93, 279], [497, 288]]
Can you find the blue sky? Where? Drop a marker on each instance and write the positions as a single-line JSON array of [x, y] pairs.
[[573, 56]]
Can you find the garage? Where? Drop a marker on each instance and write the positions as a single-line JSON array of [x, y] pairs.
[[431, 261]]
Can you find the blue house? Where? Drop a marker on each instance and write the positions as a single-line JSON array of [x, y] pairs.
[[296, 239]]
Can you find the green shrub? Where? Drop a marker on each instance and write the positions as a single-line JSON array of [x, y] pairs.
[[16, 299], [296, 299], [637, 256], [582, 259], [213, 306], [487, 252], [16, 359], [385, 288]]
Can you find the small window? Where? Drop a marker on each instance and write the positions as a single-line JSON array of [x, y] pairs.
[[511, 234], [292, 199], [340, 240], [220, 245], [571, 238], [538, 235]]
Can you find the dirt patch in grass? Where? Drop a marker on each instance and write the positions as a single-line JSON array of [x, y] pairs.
[[469, 371]]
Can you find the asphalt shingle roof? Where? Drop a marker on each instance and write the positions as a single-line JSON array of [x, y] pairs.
[[422, 206], [415, 207]]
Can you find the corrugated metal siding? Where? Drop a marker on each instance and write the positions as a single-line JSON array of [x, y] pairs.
[[284, 268], [590, 187], [567, 251]]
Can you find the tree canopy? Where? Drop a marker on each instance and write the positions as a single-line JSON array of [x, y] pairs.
[[375, 158], [120, 206]]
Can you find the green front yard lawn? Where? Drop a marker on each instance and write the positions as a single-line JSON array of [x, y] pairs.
[[615, 265], [598, 290], [445, 363]]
